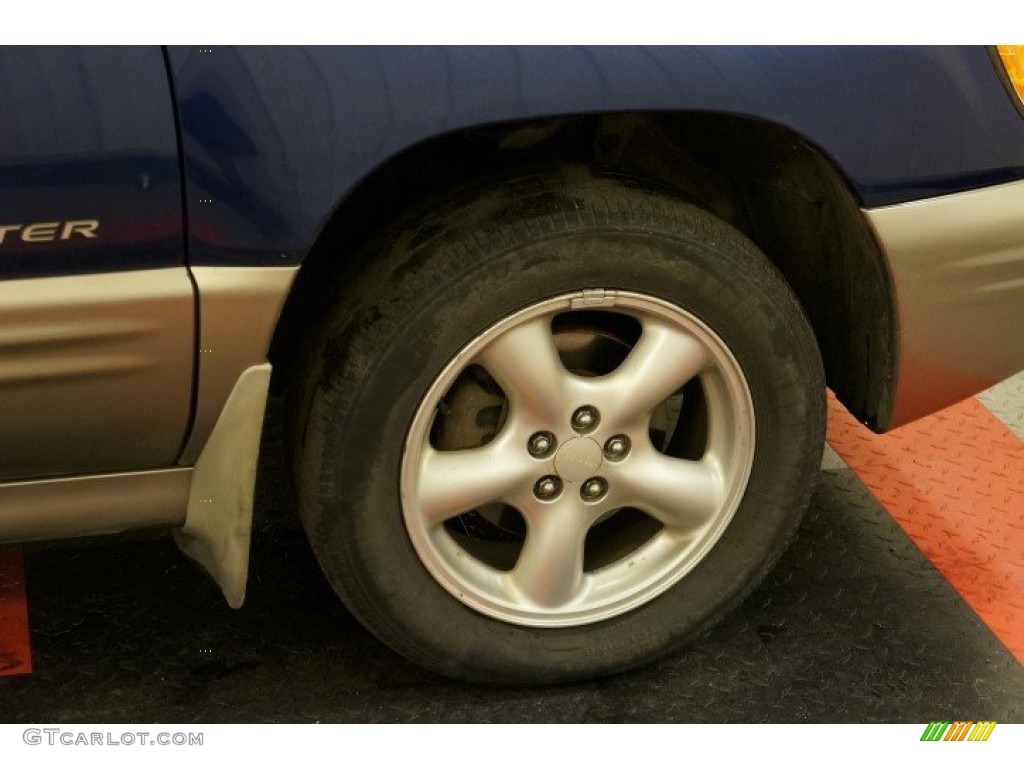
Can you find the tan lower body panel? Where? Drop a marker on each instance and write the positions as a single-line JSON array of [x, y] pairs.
[[238, 311], [95, 372], [957, 264], [94, 505], [211, 504]]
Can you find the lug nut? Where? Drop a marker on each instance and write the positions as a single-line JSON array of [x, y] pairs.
[[594, 488], [585, 418], [616, 448], [547, 488], [541, 445]]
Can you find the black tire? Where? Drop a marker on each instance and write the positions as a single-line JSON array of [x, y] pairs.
[[455, 268]]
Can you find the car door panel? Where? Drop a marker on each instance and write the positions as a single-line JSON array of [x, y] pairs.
[[97, 315]]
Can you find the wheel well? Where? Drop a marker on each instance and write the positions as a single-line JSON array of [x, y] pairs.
[[763, 179]]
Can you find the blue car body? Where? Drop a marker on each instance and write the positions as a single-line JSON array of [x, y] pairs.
[[279, 137]]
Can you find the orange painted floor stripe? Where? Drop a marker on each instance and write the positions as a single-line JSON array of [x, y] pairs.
[[15, 652], [954, 482]]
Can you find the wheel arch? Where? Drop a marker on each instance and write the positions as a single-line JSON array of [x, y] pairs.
[[778, 188]]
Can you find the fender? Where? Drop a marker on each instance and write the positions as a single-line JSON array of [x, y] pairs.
[[273, 139]]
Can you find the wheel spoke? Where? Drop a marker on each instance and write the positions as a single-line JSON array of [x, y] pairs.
[[549, 571], [663, 360], [453, 482], [678, 493], [525, 363]]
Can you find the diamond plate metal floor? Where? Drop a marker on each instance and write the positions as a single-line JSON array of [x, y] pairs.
[[853, 625], [954, 484]]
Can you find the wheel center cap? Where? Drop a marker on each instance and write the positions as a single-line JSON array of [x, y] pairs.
[[578, 459]]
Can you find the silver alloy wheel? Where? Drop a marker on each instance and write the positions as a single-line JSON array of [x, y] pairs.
[[603, 461]]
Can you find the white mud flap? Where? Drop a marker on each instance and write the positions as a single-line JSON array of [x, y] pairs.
[[218, 524]]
